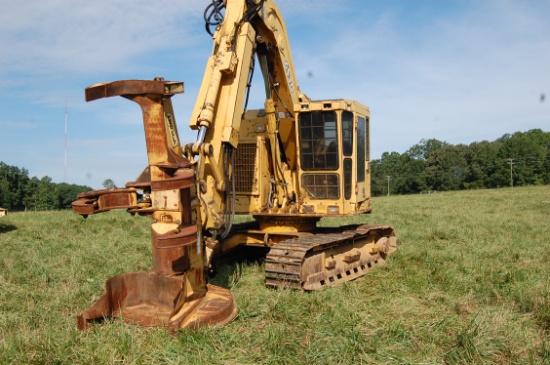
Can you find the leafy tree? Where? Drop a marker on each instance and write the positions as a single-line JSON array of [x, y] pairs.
[[19, 192], [446, 167], [388, 165], [481, 157], [528, 155], [32, 194], [435, 165], [412, 178], [422, 150], [12, 184], [67, 193], [109, 184]]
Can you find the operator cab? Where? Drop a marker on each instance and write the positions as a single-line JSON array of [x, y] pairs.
[[326, 153], [334, 154]]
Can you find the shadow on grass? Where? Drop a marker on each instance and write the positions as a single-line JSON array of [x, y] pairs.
[[4, 228], [228, 266]]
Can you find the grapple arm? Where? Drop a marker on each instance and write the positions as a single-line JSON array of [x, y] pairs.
[[99, 201]]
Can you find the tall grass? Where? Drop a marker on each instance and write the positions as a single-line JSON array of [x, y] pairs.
[[470, 284]]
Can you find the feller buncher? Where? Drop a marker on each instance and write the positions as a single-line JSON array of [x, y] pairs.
[[287, 165]]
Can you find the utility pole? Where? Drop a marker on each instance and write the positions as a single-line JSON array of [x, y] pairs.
[[511, 162], [65, 163], [389, 178]]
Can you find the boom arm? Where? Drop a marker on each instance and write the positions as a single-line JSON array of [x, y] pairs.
[[249, 28]]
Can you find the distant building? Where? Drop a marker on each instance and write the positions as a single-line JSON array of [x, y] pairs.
[[3, 212]]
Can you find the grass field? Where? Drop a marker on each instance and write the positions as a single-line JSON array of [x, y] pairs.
[[470, 284]]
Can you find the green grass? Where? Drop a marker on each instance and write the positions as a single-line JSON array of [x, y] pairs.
[[470, 284]]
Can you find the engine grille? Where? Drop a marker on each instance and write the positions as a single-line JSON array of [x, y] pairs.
[[245, 162]]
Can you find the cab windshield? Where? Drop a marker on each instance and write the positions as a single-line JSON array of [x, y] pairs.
[[318, 140]]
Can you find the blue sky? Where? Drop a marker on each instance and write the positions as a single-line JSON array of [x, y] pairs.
[[456, 70]]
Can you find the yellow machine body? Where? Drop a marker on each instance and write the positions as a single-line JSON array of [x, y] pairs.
[[288, 165]]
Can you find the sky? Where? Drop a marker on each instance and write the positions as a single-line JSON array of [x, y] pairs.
[[459, 71]]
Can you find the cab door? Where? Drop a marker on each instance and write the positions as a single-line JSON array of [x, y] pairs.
[[361, 158]]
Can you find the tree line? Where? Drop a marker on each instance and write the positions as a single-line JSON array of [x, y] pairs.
[[522, 158], [20, 192], [518, 159]]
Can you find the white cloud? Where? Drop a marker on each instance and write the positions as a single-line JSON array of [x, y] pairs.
[[11, 124], [468, 75], [52, 50], [458, 71], [293, 8], [83, 36]]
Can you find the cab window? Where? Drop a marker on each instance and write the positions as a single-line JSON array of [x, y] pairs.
[[318, 140]]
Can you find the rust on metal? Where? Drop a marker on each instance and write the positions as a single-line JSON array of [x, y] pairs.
[[98, 201], [316, 261], [133, 87], [171, 250], [174, 293], [148, 299]]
